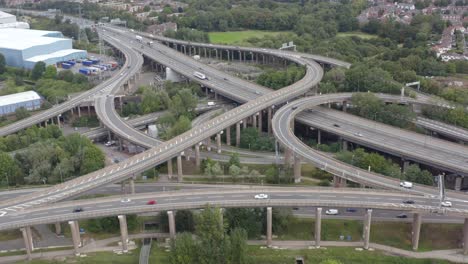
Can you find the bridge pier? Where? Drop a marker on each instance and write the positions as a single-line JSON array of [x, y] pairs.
[[465, 237], [244, 124], [254, 120], [367, 227], [208, 144], [345, 106], [179, 168], [269, 226], [58, 121], [269, 116], [416, 230], [287, 156], [260, 121], [79, 111], [123, 232], [238, 132], [75, 231], [169, 168], [132, 185], [297, 169], [197, 155], [344, 145], [28, 242], [172, 230], [318, 226], [228, 136], [319, 136], [58, 228], [458, 183], [218, 142]]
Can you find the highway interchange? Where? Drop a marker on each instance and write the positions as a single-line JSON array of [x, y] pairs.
[[36, 208]]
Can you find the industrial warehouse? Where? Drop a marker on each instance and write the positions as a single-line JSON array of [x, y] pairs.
[[29, 100], [23, 48]]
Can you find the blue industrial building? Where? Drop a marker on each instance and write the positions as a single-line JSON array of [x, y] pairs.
[[29, 100], [23, 48]]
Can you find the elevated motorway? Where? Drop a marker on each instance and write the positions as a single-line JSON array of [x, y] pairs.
[[196, 199], [408, 145], [444, 129], [282, 129], [169, 149]]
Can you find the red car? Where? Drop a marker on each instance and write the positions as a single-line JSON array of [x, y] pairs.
[[151, 202]]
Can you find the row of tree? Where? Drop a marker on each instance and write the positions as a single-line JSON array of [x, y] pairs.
[[278, 79]]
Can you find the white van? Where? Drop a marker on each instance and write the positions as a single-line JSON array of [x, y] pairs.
[[406, 184], [211, 104], [331, 212]]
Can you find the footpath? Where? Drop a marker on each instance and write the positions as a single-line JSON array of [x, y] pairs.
[[109, 244]]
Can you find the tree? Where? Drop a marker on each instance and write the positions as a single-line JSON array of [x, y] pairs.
[[249, 219], [234, 171], [21, 113], [238, 246], [2, 64], [184, 250], [50, 72], [234, 160], [8, 168], [211, 237], [184, 221], [38, 70], [331, 261]]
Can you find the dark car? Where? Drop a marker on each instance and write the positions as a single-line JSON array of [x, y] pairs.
[[351, 210], [402, 216], [77, 210], [408, 201], [294, 107], [336, 125]]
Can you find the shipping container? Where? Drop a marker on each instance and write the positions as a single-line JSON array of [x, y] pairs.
[[95, 61], [66, 65], [85, 71], [71, 62], [87, 63]]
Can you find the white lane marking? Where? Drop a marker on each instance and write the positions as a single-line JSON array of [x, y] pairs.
[[171, 199], [350, 197], [330, 196]]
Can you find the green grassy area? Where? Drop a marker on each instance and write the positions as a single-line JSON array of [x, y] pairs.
[[395, 234], [345, 255], [10, 234], [356, 34], [95, 258], [239, 37]]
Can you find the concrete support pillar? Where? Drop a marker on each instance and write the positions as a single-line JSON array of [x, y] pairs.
[[319, 136], [27, 237], [75, 236], [269, 226], [367, 227], [132, 186], [228, 55], [208, 144], [318, 226], [218, 142], [345, 106], [228, 136], [297, 169], [58, 121], [238, 132], [179, 168], [197, 155], [458, 183], [123, 232], [344, 144], [172, 231], [405, 165], [244, 124], [336, 181], [254, 121], [465, 237], [240, 56], [58, 228], [79, 111], [287, 156], [89, 110], [416, 230], [169, 168], [215, 95], [260, 121], [122, 187], [269, 116]]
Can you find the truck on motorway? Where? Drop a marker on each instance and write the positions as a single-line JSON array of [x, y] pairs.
[[199, 75], [139, 38]]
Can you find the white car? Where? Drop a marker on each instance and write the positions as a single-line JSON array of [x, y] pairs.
[[125, 200], [358, 134], [406, 184], [331, 212], [446, 204], [261, 196]]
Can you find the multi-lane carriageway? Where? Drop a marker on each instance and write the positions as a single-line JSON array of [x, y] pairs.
[[177, 145]]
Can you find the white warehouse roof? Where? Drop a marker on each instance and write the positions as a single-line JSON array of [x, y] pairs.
[[18, 98], [7, 18], [27, 38]]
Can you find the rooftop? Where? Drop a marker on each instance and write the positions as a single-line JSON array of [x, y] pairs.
[[18, 97], [4, 15], [60, 53], [19, 39]]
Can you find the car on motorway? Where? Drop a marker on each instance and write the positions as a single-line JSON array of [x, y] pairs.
[[78, 209], [294, 107], [336, 125], [406, 184], [261, 196], [109, 143], [332, 212], [351, 210], [358, 134], [226, 79], [150, 202], [125, 200], [446, 204], [402, 216], [408, 201]]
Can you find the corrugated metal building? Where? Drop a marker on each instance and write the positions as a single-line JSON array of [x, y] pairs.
[[23, 48], [29, 100]]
